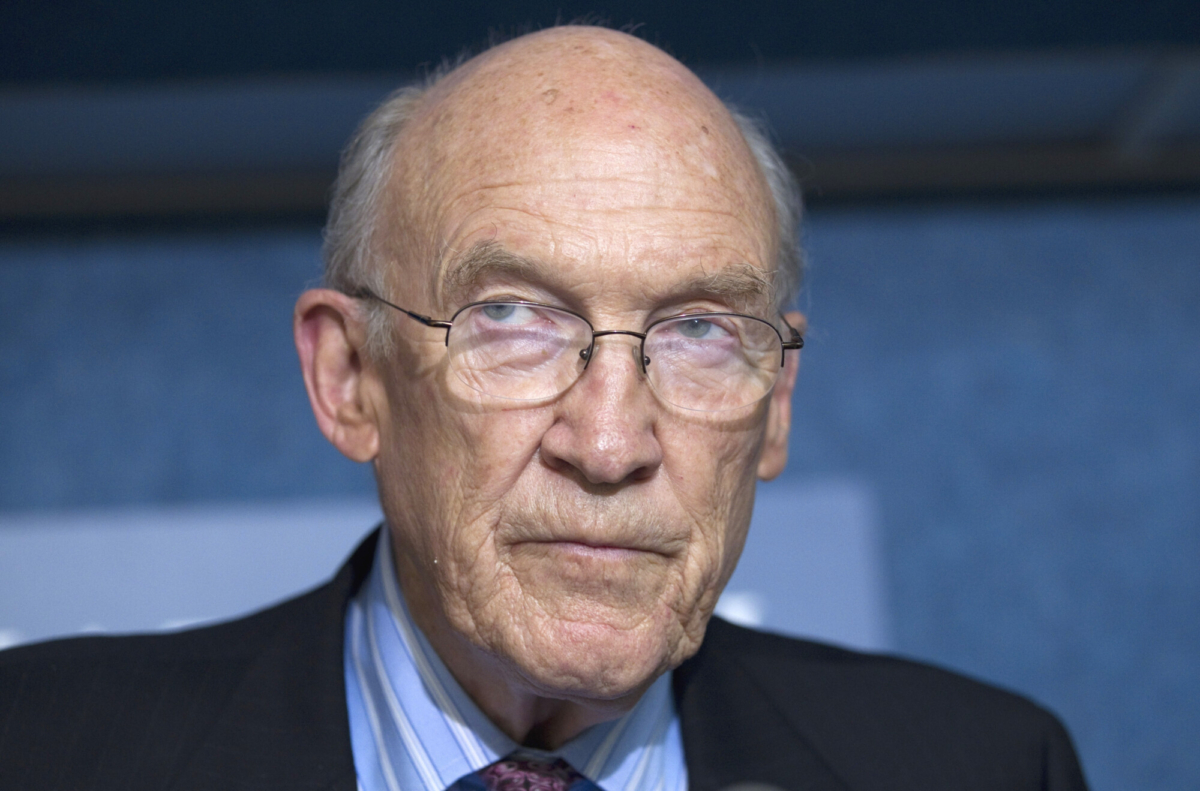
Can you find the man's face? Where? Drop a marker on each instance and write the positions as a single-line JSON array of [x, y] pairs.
[[579, 544]]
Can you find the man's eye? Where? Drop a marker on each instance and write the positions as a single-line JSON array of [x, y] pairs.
[[698, 329], [504, 312]]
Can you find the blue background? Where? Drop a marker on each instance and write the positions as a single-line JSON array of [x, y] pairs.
[[1019, 382]]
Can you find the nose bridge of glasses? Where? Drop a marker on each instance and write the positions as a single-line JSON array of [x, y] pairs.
[[586, 354]]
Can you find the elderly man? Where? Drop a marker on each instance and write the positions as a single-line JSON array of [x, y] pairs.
[[553, 326]]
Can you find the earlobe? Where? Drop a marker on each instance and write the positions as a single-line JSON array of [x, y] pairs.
[[779, 410], [329, 339]]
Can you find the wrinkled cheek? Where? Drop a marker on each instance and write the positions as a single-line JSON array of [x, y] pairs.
[[492, 450], [467, 589], [703, 588], [715, 555]]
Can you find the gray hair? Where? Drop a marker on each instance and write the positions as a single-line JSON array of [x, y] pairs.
[[363, 173], [785, 193], [354, 208]]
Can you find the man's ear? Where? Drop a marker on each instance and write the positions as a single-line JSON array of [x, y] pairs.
[[330, 337], [779, 410]]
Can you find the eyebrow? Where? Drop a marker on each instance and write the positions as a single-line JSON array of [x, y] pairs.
[[487, 260], [741, 284]]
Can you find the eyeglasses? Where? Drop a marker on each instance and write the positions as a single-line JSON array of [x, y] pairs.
[[525, 351]]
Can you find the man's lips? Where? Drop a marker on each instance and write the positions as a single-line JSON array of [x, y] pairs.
[[602, 551], [625, 534], [592, 549]]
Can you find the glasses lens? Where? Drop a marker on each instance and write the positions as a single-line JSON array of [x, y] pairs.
[[517, 351], [713, 361]]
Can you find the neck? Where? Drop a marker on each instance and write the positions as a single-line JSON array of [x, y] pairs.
[[529, 719]]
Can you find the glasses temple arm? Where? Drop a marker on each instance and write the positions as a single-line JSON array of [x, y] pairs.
[[366, 293], [796, 341]]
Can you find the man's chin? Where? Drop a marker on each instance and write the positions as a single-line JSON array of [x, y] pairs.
[[593, 661], [573, 581]]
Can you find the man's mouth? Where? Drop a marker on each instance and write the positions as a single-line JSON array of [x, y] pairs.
[[620, 538], [599, 551]]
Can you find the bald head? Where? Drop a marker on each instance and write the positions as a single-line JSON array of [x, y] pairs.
[[550, 94], [584, 105]]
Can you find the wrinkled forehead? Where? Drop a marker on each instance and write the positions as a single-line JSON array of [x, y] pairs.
[[592, 118]]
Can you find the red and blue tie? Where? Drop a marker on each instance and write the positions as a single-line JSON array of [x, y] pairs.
[[525, 773]]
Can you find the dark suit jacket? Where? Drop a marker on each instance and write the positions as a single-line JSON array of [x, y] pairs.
[[259, 703]]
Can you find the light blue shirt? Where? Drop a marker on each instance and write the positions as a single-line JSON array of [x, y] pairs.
[[413, 728]]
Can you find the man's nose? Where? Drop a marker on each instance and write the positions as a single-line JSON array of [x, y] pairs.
[[604, 429]]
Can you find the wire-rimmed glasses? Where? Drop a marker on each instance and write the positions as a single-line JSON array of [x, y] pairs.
[[525, 351]]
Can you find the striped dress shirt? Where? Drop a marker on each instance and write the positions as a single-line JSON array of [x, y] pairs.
[[413, 728]]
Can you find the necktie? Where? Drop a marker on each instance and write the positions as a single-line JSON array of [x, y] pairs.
[[524, 773]]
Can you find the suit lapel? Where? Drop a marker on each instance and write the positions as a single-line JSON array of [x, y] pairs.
[[735, 732], [286, 725]]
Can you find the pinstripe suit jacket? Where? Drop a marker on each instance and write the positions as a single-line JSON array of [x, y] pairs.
[[259, 703]]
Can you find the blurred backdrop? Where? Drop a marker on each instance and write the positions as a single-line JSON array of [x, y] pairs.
[[996, 457]]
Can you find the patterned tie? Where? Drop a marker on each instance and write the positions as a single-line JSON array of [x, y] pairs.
[[524, 773]]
